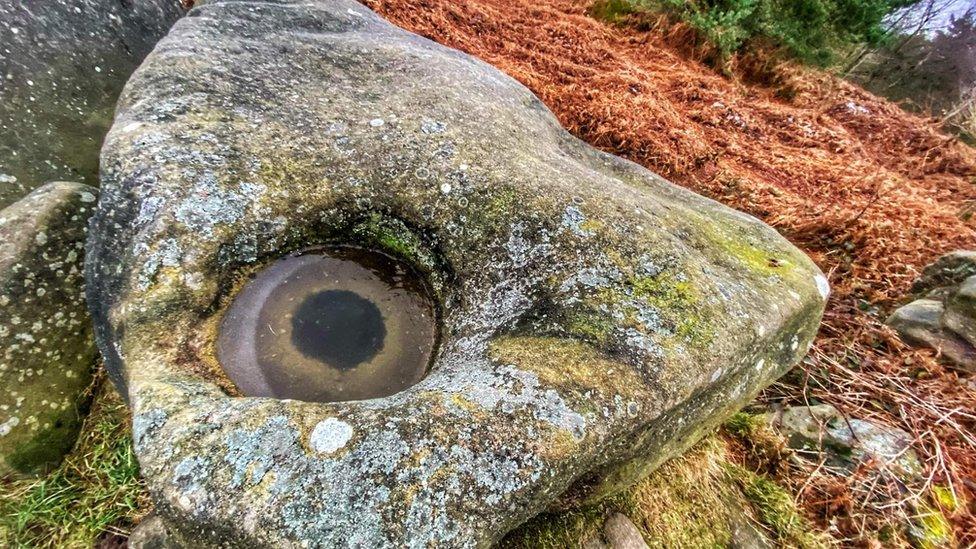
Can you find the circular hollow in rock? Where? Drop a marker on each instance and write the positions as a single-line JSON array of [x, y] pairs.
[[328, 325]]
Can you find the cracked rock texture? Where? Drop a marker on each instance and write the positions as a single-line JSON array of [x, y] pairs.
[[597, 320], [62, 66], [45, 332]]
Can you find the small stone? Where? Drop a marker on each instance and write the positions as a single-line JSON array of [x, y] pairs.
[[947, 271], [151, 533], [960, 311], [848, 441], [618, 532], [920, 324]]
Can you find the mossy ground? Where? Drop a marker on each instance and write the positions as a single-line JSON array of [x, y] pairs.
[[95, 490], [697, 500]]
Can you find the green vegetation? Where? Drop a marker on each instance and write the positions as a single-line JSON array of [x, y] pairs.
[[927, 70], [699, 499], [390, 235], [930, 528], [775, 508], [814, 31], [96, 488]]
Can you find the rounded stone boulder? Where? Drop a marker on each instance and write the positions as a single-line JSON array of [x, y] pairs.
[[63, 65], [592, 320], [48, 351]]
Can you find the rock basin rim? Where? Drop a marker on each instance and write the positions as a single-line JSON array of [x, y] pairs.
[[338, 278]]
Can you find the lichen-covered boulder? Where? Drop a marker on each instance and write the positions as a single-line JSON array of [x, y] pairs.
[[64, 63], [45, 332], [595, 319]]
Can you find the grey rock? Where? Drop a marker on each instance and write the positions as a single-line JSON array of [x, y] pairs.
[[258, 128], [920, 324], [848, 441], [62, 65], [745, 534], [960, 311], [618, 532], [45, 332], [151, 533], [947, 271]]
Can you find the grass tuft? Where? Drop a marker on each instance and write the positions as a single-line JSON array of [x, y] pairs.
[[95, 490]]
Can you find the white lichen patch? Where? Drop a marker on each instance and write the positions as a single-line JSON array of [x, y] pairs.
[[330, 435], [573, 219], [8, 425]]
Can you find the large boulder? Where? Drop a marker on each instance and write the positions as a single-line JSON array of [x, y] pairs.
[[45, 331], [63, 65], [595, 319]]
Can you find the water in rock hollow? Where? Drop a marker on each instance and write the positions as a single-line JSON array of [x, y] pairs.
[[329, 324]]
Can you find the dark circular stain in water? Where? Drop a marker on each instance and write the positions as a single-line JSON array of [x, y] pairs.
[[338, 327], [329, 324]]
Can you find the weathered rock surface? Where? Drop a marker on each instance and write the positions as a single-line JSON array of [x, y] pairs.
[[947, 271], [151, 533], [960, 311], [45, 332], [920, 324], [849, 441], [945, 318], [597, 320], [63, 65]]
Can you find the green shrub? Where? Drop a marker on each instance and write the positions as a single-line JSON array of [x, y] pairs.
[[814, 31]]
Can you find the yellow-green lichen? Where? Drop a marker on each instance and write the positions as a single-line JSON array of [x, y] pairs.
[[739, 247], [390, 235], [945, 497], [930, 528], [283, 171], [588, 326], [678, 301], [566, 363]]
